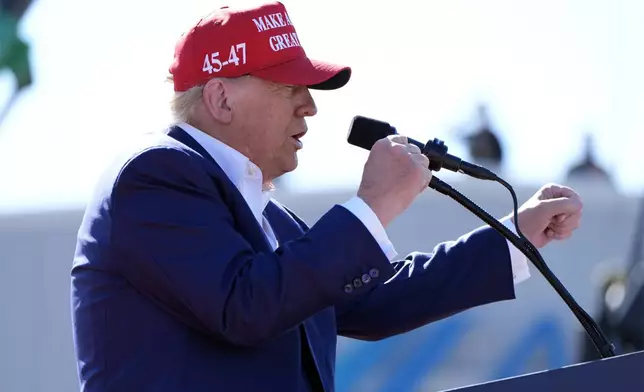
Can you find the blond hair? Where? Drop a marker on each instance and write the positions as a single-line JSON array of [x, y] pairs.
[[183, 103]]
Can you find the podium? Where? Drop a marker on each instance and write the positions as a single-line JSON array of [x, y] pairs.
[[623, 373]]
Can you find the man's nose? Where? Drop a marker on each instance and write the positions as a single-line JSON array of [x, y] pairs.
[[308, 108]]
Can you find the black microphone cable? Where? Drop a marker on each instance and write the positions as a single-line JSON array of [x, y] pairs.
[[604, 347]]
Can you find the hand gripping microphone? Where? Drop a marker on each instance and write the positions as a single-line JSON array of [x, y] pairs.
[[364, 132]]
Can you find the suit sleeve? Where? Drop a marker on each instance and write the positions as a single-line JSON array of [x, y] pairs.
[[458, 275], [176, 242]]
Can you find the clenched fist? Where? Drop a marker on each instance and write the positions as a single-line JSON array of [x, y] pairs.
[[553, 213], [394, 174]]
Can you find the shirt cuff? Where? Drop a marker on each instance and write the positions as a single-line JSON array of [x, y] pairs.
[[365, 214], [520, 270]]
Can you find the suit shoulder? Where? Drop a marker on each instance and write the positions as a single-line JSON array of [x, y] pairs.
[[157, 153], [154, 146], [150, 154]]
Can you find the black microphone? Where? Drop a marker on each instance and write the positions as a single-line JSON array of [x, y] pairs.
[[365, 132]]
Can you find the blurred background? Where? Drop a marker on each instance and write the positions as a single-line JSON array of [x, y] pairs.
[[536, 91]]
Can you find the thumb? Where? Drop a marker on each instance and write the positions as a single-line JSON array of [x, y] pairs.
[[398, 139], [562, 205]]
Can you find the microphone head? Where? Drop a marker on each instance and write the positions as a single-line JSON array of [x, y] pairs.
[[365, 132]]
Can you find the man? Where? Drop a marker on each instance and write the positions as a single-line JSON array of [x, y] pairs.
[[188, 277]]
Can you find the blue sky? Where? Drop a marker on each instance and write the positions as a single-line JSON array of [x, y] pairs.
[[550, 71]]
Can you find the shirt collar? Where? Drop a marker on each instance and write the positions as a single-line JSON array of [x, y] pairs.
[[244, 174]]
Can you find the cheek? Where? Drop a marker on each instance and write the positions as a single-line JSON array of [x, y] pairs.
[[269, 125], [276, 128], [270, 140]]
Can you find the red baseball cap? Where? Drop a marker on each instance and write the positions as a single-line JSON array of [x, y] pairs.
[[258, 41]]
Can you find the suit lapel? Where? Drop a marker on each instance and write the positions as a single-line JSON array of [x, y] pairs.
[[284, 225], [241, 212]]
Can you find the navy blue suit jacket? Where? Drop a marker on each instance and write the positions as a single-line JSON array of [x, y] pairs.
[[176, 288]]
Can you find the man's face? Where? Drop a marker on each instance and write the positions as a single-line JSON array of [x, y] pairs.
[[266, 121]]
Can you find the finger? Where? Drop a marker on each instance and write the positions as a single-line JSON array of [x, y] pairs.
[[559, 233], [564, 230], [553, 235], [420, 160], [399, 139], [570, 222], [413, 149], [427, 177], [566, 219], [550, 234], [562, 205], [399, 150], [562, 236], [556, 191], [570, 226]]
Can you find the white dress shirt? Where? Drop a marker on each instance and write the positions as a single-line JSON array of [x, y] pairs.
[[247, 177]]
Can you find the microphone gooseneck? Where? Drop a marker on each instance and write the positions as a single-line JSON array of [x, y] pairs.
[[603, 346], [365, 132]]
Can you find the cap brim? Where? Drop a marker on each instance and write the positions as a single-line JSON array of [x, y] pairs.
[[303, 71]]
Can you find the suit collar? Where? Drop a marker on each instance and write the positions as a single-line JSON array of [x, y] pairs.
[[182, 136]]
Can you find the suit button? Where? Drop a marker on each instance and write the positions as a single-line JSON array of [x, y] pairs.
[[374, 273], [366, 278], [357, 283], [348, 288]]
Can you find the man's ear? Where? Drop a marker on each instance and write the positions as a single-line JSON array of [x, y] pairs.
[[216, 97]]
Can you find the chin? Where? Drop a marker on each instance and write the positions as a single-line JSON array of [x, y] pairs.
[[291, 164]]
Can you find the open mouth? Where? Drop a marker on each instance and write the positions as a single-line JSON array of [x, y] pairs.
[[298, 142]]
